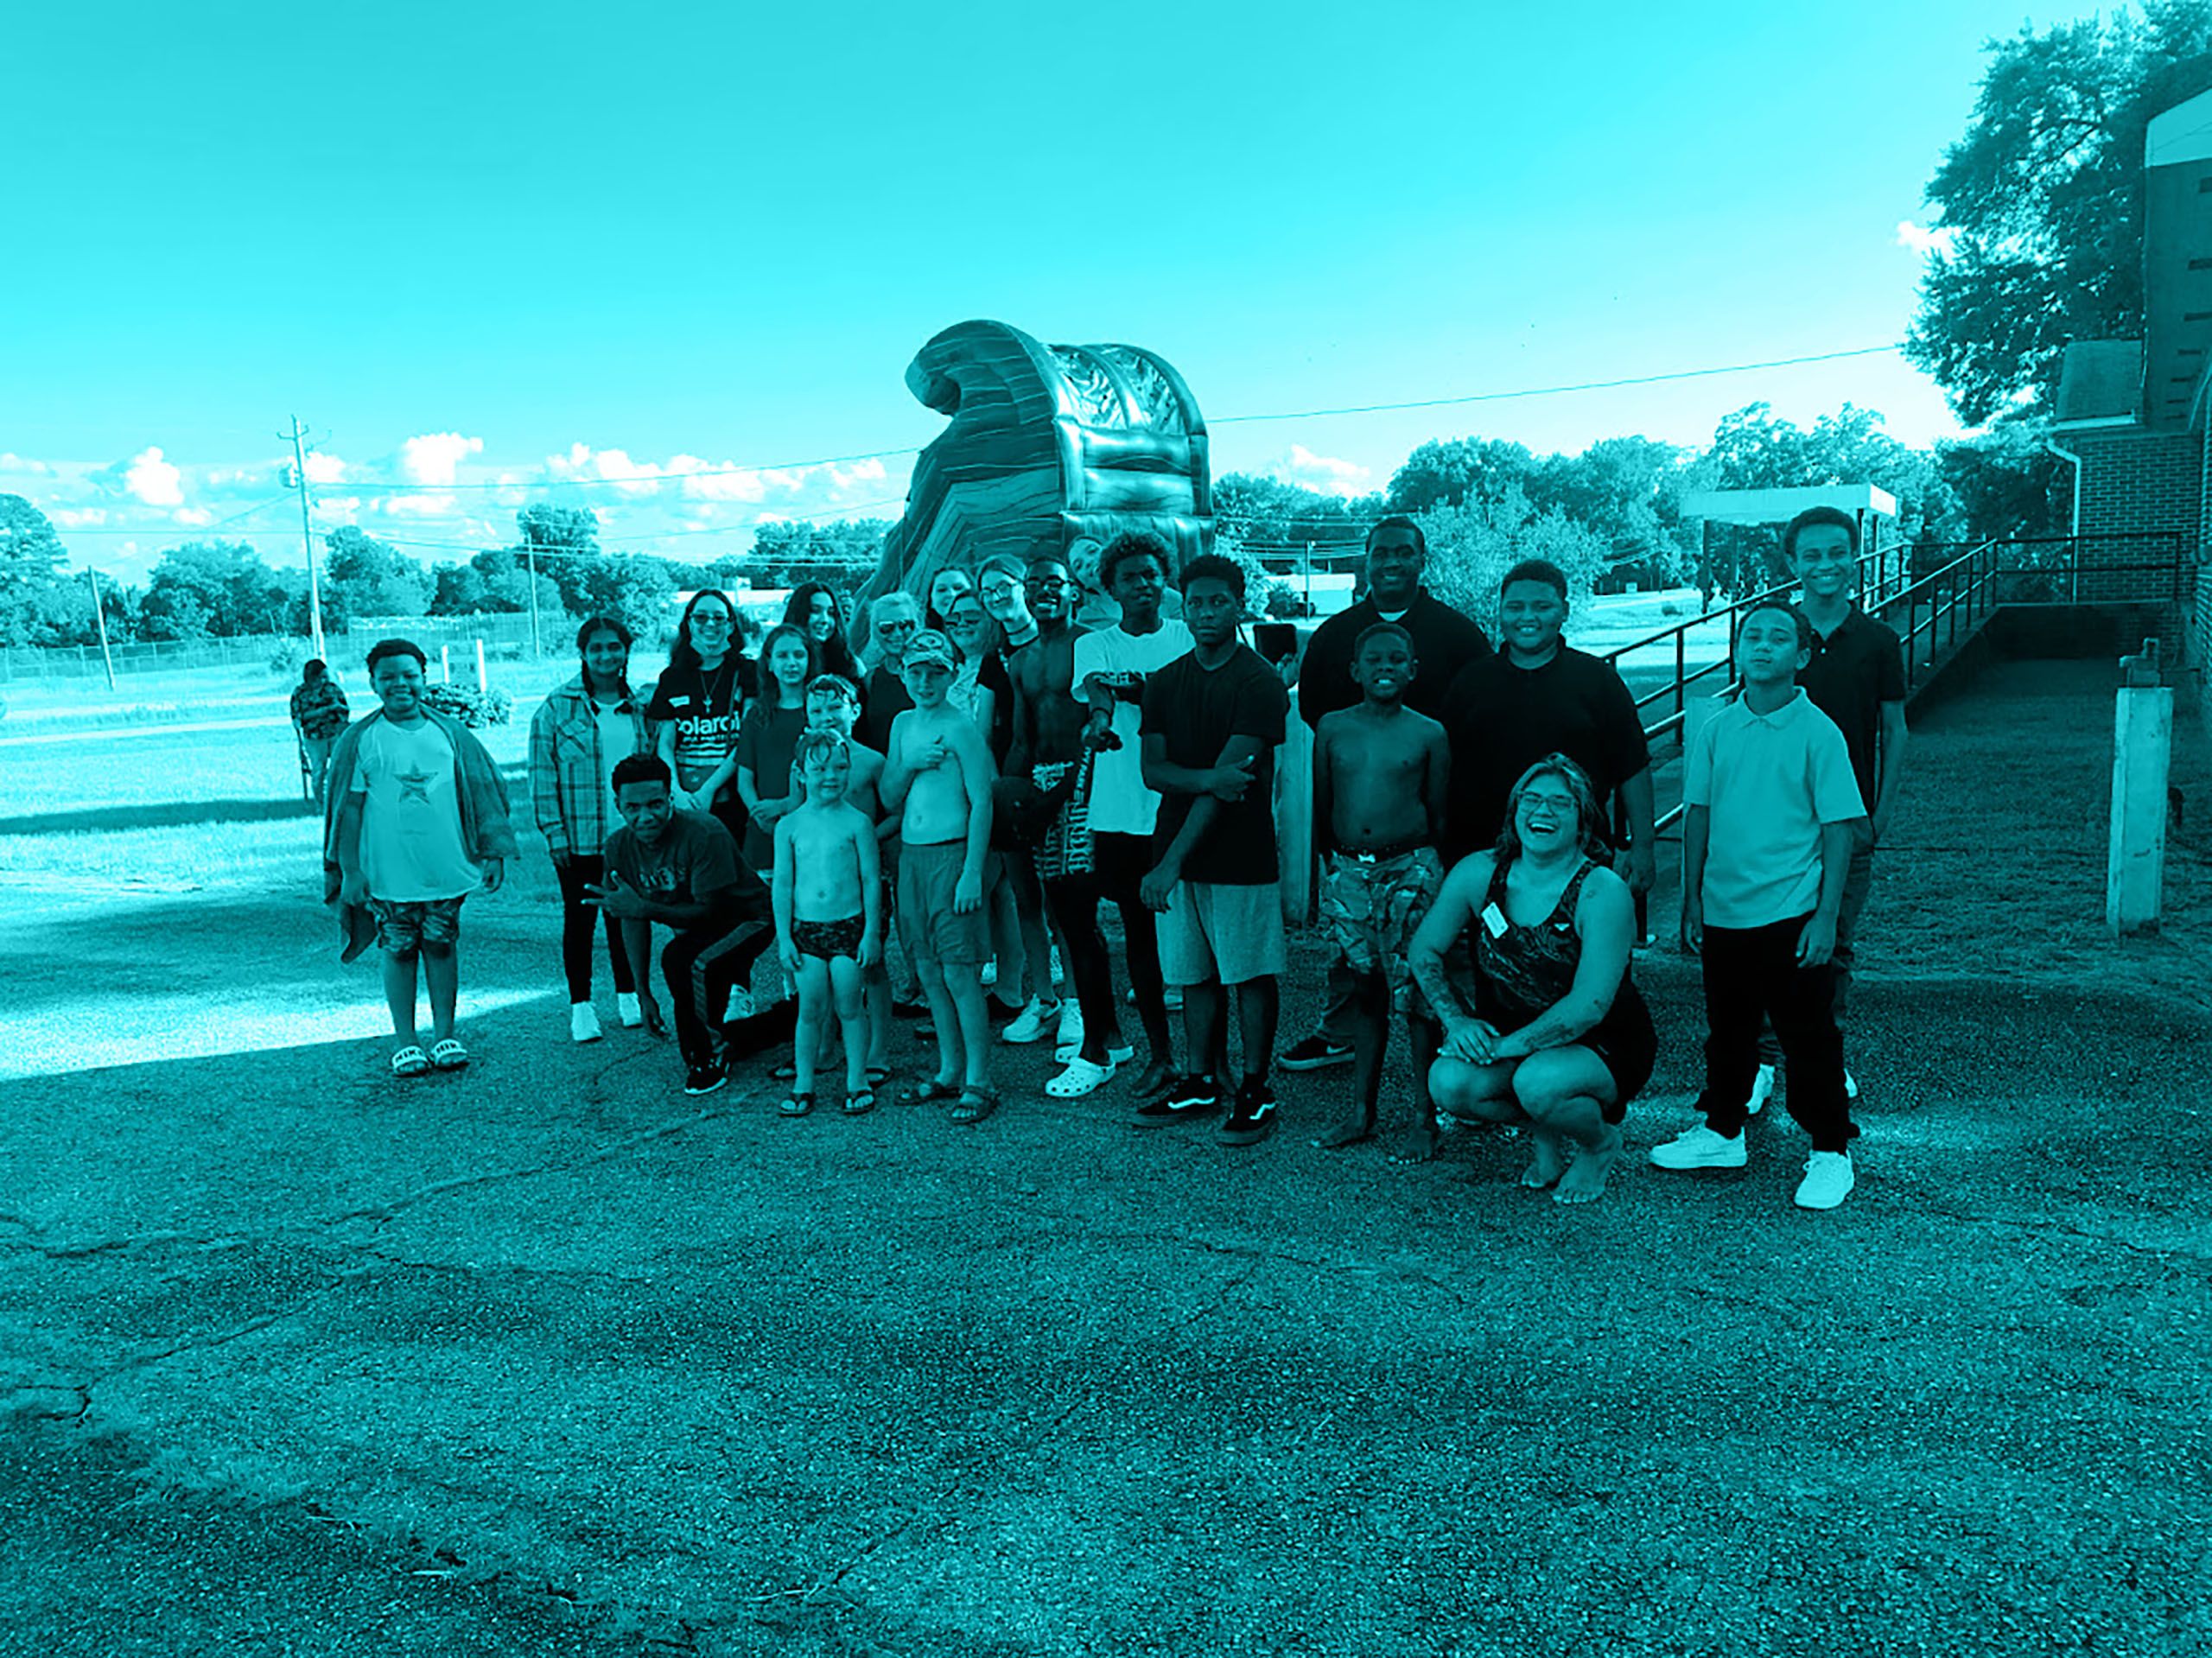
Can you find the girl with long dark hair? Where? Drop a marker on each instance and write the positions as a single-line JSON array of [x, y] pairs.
[[815, 607], [579, 734], [768, 738], [697, 706]]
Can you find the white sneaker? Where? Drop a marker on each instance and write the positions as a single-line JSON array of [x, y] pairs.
[[1700, 1148], [1850, 1088], [1828, 1180], [1030, 1024], [583, 1023], [1070, 1034], [1174, 998], [626, 1006], [740, 1005], [1081, 1077], [1762, 1091], [989, 976]]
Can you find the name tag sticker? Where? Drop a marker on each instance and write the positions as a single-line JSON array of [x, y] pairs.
[[1494, 920]]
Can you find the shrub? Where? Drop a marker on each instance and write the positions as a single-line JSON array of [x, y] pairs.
[[474, 709], [284, 660]]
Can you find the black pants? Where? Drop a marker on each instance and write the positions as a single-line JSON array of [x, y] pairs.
[[701, 963], [1119, 865], [578, 919], [1751, 974]]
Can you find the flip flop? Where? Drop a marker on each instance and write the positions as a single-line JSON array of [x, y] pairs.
[[410, 1061], [798, 1105], [860, 1104], [447, 1055], [785, 1073], [976, 1103], [929, 1093], [878, 1075]]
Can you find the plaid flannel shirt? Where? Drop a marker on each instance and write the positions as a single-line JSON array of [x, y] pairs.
[[568, 778]]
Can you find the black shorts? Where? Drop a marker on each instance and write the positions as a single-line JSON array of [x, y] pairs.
[[826, 940]]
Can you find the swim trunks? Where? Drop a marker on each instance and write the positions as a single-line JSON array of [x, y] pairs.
[[826, 940], [1375, 903]]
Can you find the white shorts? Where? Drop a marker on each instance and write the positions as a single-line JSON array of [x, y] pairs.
[[1213, 932]]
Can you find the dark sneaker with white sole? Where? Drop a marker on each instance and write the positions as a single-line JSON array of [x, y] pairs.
[[1186, 1096], [1313, 1053], [705, 1079], [1252, 1119]]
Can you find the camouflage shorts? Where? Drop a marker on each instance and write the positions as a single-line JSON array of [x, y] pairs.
[[404, 928], [1374, 905]]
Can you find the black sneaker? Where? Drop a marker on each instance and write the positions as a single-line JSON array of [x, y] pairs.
[[705, 1079], [1252, 1119], [1313, 1053], [1186, 1096]]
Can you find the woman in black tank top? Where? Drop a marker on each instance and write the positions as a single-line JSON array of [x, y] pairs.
[[1557, 1037]]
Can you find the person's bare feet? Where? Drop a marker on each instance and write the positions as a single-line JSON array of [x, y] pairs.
[[1417, 1144], [1548, 1164], [1586, 1182], [1350, 1132]]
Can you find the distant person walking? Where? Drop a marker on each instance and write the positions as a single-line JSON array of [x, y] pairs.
[[580, 733], [319, 714], [416, 820]]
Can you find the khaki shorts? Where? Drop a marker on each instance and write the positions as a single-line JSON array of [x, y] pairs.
[[932, 930], [1215, 932]]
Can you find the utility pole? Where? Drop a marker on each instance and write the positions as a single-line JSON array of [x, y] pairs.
[[99, 619], [306, 537], [536, 654]]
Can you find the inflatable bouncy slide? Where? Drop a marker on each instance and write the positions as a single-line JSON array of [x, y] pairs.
[[1051, 449]]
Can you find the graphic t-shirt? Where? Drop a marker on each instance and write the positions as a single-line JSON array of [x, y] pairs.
[[1197, 711], [1120, 803], [703, 708], [411, 849], [694, 860], [766, 740]]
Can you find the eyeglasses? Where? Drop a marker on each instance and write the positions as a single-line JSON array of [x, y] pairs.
[[1557, 802], [894, 627], [998, 589], [708, 618]]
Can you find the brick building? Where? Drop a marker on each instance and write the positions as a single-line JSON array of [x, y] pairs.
[[2132, 413]]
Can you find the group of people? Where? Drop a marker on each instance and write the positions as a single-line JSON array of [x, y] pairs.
[[931, 832]]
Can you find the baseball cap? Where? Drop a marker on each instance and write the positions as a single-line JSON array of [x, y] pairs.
[[930, 645]]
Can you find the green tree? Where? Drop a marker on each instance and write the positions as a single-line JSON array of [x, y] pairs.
[[1471, 547], [564, 539], [363, 576], [2043, 199], [32, 563], [635, 587], [1459, 471], [232, 591], [842, 552]]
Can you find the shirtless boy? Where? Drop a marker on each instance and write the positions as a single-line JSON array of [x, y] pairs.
[[827, 890], [1380, 775], [937, 776], [833, 704]]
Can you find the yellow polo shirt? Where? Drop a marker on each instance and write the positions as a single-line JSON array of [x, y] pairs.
[[1769, 782]]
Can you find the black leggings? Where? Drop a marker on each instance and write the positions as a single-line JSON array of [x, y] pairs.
[[578, 918], [1120, 863]]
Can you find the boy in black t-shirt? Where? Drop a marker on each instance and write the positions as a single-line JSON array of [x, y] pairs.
[[681, 868], [1212, 721]]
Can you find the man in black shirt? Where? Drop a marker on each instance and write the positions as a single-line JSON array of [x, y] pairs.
[[1541, 696], [1444, 641], [1211, 722]]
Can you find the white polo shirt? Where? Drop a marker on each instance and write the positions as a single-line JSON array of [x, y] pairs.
[[1119, 803], [1769, 782]]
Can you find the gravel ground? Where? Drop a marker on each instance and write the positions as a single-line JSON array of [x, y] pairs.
[[548, 1358]]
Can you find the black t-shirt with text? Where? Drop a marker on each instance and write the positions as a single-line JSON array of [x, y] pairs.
[[1197, 711], [705, 708], [1501, 720], [1853, 671]]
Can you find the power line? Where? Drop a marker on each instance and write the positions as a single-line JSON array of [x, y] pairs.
[[191, 529], [1555, 391]]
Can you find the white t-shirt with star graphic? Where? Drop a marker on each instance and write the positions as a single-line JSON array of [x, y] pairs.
[[411, 850]]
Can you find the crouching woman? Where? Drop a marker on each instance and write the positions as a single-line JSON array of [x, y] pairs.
[[1558, 1038]]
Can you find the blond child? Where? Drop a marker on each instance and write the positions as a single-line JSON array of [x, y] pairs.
[[826, 889]]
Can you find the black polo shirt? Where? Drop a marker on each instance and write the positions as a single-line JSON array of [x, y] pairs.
[[883, 698], [1501, 720], [1444, 641], [1853, 671]]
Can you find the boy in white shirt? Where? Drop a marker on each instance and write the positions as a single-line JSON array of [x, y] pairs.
[[418, 820], [1772, 810]]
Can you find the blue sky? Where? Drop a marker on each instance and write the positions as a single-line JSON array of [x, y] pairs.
[[533, 244]]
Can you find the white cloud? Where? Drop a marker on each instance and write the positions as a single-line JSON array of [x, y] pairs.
[[149, 479], [1925, 240], [415, 507], [192, 516], [582, 461], [76, 517], [329, 469], [433, 458], [24, 464], [1325, 473]]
